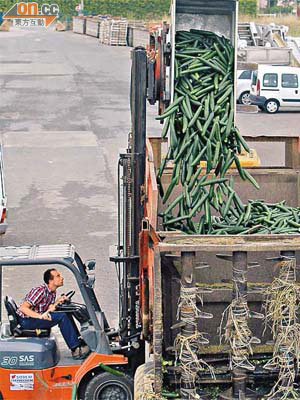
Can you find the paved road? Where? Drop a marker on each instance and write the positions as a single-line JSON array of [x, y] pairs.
[[64, 115]]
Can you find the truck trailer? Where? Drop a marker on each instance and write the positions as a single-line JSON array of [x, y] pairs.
[[204, 298]]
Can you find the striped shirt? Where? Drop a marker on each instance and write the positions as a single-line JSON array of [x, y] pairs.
[[40, 298]]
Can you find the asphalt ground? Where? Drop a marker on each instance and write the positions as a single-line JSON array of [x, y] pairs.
[[64, 117], [284, 123]]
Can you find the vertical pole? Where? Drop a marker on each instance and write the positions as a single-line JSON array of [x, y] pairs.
[[138, 95], [138, 121], [126, 220], [285, 322], [187, 282], [239, 270], [136, 179], [1, 271], [157, 324]]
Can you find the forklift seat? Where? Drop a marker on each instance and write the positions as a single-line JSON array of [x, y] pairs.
[[15, 327]]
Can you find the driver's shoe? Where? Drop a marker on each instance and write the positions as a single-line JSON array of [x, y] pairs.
[[80, 352]]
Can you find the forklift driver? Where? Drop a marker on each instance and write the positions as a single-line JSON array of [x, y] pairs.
[[38, 312]]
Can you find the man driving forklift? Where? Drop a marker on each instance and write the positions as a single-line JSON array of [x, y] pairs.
[[38, 312]]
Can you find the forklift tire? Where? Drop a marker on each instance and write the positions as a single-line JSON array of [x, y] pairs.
[[144, 381], [107, 386]]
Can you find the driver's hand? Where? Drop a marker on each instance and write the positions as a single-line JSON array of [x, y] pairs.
[[61, 299], [51, 308], [46, 316]]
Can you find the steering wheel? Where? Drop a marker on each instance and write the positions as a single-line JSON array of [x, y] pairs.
[[67, 305], [69, 296], [79, 311]]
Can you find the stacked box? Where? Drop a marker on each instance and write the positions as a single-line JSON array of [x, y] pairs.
[[104, 31], [79, 25], [137, 34], [140, 37], [113, 32], [119, 33], [92, 26]]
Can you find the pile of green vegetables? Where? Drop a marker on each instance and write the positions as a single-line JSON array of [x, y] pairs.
[[200, 122]]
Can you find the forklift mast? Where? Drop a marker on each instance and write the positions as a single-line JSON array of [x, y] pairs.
[[131, 179]]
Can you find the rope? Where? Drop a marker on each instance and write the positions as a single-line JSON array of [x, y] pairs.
[[281, 305], [237, 333], [188, 342]]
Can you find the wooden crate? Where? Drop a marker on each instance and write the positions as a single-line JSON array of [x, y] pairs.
[[168, 260], [140, 37], [79, 25], [92, 27], [276, 184], [113, 32]]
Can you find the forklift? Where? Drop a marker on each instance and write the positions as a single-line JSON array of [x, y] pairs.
[[31, 364]]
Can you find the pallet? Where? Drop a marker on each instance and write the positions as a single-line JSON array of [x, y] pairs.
[[113, 32]]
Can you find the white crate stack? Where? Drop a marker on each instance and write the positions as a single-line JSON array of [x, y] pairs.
[[104, 31], [114, 32]]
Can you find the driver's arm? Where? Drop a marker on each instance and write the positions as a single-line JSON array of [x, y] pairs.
[[60, 300], [25, 308]]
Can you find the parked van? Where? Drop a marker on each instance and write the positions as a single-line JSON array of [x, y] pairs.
[[244, 79], [275, 86]]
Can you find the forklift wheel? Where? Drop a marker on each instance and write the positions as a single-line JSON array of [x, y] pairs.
[[106, 387]]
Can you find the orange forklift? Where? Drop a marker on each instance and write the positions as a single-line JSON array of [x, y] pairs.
[[32, 366]]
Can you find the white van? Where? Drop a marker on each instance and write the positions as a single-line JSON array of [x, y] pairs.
[[275, 86], [244, 79]]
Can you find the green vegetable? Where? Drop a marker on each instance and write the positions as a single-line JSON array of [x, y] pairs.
[[171, 109], [112, 371], [200, 123]]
